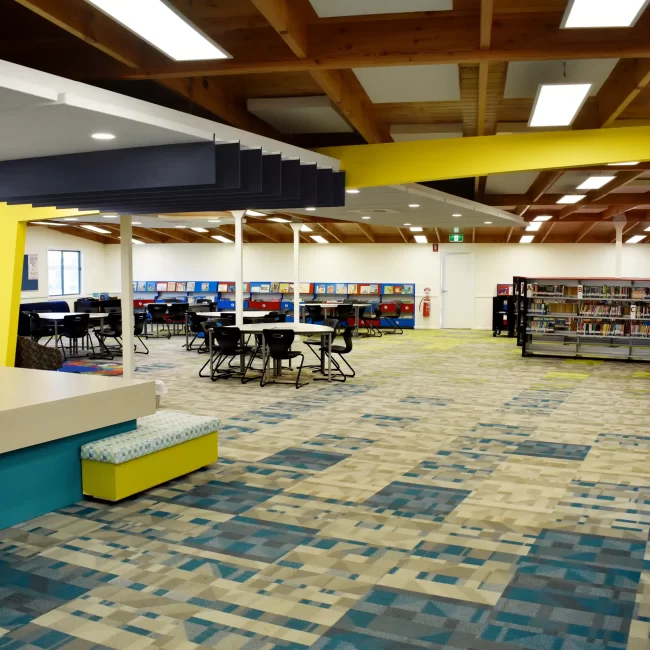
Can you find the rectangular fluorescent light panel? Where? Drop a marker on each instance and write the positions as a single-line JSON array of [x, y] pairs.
[[543, 217], [625, 164], [421, 239], [647, 229], [158, 23], [278, 220], [199, 229], [636, 239], [526, 239], [595, 182], [415, 229], [558, 104], [534, 226], [306, 229], [137, 241], [224, 240], [101, 231], [570, 199], [602, 13], [47, 223], [319, 240], [255, 213]]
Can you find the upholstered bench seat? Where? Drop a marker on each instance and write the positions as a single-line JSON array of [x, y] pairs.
[[163, 447]]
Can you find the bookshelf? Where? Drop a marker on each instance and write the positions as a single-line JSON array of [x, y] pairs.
[[602, 318]]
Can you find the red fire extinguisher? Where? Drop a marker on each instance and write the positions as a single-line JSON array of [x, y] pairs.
[[425, 304]]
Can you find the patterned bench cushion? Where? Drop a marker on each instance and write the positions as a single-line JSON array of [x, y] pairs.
[[155, 432]]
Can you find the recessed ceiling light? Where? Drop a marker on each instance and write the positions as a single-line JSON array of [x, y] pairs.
[[157, 23], [595, 182], [136, 223], [602, 13], [224, 240], [137, 241], [415, 229], [543, 217], [487, 223], [278, 220], [110, 216], [407, 224], [214, 220], [636, 239], [534, 226], [310, 209], [420, 239], [306, 229], [646, 230], [102, 136], [200, 229], [526, 239], [255, 213], [457, 214], [180, 226], [365, 217], [47, 223], [622, 164], [558, 104], [319, 240], [570, 199], [101, 231], [352, 191], [71, 219], [414, 205]]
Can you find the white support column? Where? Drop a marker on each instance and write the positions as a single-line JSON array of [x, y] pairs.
[[239, 266], [296, 271], [126, 267], [619, 223]]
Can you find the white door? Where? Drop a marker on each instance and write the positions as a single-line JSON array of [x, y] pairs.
[[457, 291]]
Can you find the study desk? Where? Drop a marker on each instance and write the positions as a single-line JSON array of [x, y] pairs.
[[45, 417], [299, 328], [57, 317]]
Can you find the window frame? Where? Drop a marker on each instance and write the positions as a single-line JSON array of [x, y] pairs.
[[62, 272]]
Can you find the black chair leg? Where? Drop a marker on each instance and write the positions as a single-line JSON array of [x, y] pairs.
[[143, 345], [263, 377], [345, 361], [302, 361]]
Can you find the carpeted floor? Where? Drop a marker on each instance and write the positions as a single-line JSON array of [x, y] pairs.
[[453, 495]]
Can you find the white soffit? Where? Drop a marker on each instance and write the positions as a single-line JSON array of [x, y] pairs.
[[331, 8], [299, 114], [417, 83], [524, 77], [409, 132], [515, 183], [50, 115], [508, 128]]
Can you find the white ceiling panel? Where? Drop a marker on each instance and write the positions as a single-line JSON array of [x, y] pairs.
[[524, 77], [517, 183], [331, 8], [417, 83], [410, 132], [12, 99], [299, 114]]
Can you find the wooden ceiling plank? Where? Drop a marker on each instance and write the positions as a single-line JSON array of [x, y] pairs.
[[404, 235], [487, 11], [264, 231], [549, 230], [543, 182], [329, 231], [438, 235], [367, 231], [585, 230], [510, 231], [77, 232], [550, 200]]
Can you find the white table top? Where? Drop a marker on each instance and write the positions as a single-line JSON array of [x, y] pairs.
[[298, 328], [38, 406], [61, 315], [247, 314]]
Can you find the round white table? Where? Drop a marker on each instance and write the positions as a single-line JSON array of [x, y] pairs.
[[299, 328], [57, 317]]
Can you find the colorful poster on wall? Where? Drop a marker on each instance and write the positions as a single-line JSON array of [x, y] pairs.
[[32, 266], [191, 286]]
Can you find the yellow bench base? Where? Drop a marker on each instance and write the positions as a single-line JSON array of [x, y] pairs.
[[114, 482]]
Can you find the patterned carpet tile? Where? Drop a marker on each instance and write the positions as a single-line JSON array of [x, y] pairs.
[[472, 502]]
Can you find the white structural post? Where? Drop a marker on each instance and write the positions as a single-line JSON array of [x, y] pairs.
[[239, 266], [619, 222], [296, 271], [126, 267]]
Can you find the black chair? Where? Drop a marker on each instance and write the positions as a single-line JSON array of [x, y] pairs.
[[377, 315], [196, 328], [38, 330], [392, 319], [278, 343], [365, 320], [75, 328], [228, 340], [340, 350], [112, 330], [314, 314], [157, 313], [139, 326], [175, 316], [317, 343]]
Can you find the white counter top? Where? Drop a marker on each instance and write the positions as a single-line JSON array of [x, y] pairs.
[[39, 406]]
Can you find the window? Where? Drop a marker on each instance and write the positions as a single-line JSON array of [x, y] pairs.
[[64, 272]]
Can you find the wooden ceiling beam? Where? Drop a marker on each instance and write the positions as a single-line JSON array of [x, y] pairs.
[[510, 231], [550, 200], [487, 11], [368, 232], [265, 231], [331, 233], [290, 19], [584, 231], [541, 185], [175, 235], [622, 179], [77, 232], [549, 230], [404, 235]]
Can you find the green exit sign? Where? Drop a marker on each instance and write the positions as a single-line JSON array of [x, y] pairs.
[[456, 238]]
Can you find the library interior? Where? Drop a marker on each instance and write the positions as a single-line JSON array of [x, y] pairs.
[[325, 324]]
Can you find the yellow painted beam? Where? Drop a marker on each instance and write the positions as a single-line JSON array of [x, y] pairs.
[[426, 160]]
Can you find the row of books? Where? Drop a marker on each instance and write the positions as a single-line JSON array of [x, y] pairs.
[[602, 328], [607, 309], [537, 306], [640, 329], [587, 292], [605, 291]]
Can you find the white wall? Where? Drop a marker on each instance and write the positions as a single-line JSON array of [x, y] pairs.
[[93, 276]]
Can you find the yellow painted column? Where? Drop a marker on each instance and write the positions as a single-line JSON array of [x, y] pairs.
[[12, 249]]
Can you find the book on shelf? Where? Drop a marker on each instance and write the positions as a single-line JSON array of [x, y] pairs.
[[320, 288], [373, 289], [398, 288], [352, 288], [222, 287], [151, 286], [330, 288], [141, 286], [408, 289], [191, 286], [285, 287], [274, 287], [181, 286], [389, 290], [341, 289], [205, 286], [171, 286], [161, 286], [305, 287]]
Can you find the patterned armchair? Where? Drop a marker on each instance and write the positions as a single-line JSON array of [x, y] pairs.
[[30, 354]]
